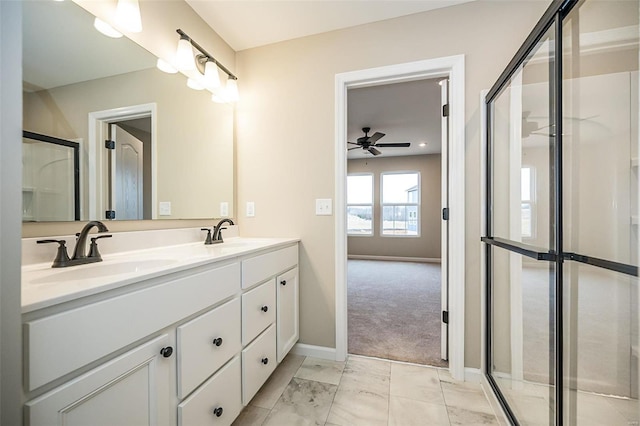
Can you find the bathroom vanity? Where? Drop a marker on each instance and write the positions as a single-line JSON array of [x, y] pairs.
[[178, 335]]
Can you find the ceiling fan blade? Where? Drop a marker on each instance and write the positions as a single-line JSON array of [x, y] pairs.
[[394, 145], [351, 149], [374, 151], [353, 143], [373, 138]]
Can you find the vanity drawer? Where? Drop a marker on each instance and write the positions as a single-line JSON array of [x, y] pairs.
[[206, 343], [218, 395], [59, 344], [258, 362], [259, 268], [258, 310]]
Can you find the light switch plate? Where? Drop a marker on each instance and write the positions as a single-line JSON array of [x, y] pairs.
[[164, 208], [323, 207], [224, 209], [251, 209]]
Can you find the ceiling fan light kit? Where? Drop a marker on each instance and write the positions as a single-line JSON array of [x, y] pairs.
[[369, 143]]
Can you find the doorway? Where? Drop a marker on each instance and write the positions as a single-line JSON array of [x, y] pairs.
[[132, 122], [453, 69], [395, 192]]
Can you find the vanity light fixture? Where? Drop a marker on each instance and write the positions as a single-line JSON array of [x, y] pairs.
[[232, 89], [207, 66], [211, 76], [217, 99], [128, 15], [165, 66], [422, 144], [106, 29], [184, 55]]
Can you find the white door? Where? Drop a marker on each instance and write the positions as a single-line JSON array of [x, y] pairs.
[[444, 255], [127, 171], [287, 312]]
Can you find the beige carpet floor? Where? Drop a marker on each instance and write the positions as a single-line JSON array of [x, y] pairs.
[[394, 311]]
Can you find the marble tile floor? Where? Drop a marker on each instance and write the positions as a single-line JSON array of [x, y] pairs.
[[364, 391]]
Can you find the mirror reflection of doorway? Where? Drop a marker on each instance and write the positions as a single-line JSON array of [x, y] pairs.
[[130, 169]]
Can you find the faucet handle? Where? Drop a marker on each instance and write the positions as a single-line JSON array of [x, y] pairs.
[[207, 241], [62, 257], [93, 248]]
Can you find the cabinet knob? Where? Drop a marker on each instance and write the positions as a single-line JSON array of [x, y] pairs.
[[265, 360], [166, 352], [283, 282], [218, 411], [217, 341], [265, 308]]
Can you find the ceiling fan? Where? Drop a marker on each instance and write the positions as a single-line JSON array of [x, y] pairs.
[[530, 127], [368, 143]]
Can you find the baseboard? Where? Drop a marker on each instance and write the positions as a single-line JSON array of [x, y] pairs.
[[473, 375], [395, 258], [321, 352]]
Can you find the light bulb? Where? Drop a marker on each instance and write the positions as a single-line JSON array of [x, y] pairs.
[[217, 99], [106, 29], [165, 66], [211, 76], [128, 15], [184, 55], [232, 90]]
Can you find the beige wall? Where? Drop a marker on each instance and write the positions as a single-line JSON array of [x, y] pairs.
[[285, 133], [427, 245]]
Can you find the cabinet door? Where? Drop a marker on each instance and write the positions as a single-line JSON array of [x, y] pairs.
[[287, 316], [132, 389]]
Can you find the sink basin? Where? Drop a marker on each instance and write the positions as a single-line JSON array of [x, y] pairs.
[[102, 269]]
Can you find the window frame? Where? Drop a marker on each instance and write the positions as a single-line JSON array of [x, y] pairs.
[[417, 204]]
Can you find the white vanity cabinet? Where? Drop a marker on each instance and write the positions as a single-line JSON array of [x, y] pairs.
[[131, 389], [188, 348]]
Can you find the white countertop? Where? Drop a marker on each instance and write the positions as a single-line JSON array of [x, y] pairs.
[[43, 286]]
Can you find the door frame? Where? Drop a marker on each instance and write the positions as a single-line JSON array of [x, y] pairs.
[[98, 131], [451, 67]]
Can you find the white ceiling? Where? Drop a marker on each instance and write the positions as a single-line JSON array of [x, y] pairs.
[[251, 23], [404, 112]]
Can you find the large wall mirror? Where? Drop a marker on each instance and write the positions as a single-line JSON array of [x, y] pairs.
[[173, 151]]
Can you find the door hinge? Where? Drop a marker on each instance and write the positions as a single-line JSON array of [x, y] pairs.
[[445, 317], [445, 110], [110, 214], [110, 144], [445, 213]]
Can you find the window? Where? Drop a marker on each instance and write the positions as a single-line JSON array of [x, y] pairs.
[[401, 204], [360, 204], [527, 207]]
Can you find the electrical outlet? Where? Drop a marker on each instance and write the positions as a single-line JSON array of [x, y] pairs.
[[224, 209], [323, 207], [164, 208], [251, 209]]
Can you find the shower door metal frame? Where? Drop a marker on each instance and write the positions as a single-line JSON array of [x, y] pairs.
[[553, 17]]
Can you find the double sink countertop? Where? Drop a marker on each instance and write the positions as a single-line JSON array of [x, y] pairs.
[[44, 286]]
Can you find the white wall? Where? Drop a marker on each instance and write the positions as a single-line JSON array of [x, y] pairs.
[[285, 128]]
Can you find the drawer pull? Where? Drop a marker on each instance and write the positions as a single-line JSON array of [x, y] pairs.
[[166, 352], [265, 360], [265, 308], [217, 341], [218, 411], [283, 282]]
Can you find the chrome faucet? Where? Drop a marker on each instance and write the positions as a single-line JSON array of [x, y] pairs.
[[79, 253], [217, 231]]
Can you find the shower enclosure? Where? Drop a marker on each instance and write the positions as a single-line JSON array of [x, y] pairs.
[[562, 220]]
